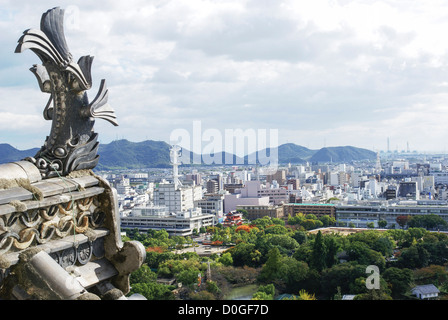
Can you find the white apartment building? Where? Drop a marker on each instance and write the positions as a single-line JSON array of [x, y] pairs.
[[177, 199], [124, 186], [276, 195], [212, 204]]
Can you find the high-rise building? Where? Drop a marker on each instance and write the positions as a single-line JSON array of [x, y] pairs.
[[279, 176], [295, 183], [196, 177], [212, 186], [176, 199]]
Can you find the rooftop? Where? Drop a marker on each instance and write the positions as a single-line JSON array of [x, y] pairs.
[[426, 289]]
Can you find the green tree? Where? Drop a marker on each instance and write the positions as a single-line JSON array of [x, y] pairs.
[[430, 221], [269, 289], [262, 223], [142, 274], [318, 255], [327, 220], [278, 221], [310, 224], [188, 277], [360, 252], [399, 280], [152, 291], [202, 295], [226, 259], [283, 242], [368, 237], [212, 287], [260, 295], [271, 269], [292, 273], [341, 275], [276, 229], [338, 294], [373, 294], [332, 248], [384, 245], [304, 252], [244, 254], [382, 223], [413, 257], [300, 236], [438, 251], [435, 274]]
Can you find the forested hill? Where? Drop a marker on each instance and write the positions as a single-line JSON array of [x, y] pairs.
[[124, 154]]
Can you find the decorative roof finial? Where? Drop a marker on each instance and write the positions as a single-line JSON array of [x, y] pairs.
[[72, 143]]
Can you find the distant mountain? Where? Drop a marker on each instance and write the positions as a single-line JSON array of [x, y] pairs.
[[123, 154], [286, 153], [10, 154], [342, 154], [292, 153]]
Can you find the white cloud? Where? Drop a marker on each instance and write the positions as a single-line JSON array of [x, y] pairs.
[[353, 71]]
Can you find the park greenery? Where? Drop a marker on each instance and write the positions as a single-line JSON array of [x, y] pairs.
[[290, 259]]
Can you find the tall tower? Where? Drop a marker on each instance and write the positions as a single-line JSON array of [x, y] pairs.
[[175, 153], [378, 163], [388, 145]]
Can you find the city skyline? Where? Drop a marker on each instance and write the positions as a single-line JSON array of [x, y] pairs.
[[326, 73]]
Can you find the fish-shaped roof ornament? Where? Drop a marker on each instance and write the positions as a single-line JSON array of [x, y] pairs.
[[72, 144]]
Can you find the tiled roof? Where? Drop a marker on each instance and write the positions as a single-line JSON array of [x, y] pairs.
[[426, 289]]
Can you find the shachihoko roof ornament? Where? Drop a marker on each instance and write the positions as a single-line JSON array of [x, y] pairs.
[[60, 236], [72, 143]]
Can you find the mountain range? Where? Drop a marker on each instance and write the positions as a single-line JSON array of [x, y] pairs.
[[124, 154]]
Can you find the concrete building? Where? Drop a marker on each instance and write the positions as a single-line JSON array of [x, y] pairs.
[[440, 177], [176, 199], [212, 204], [363, 213], [212, 186], [279, 176], [123, 186], [295, 183], [196, 177], [231, 201], [408, 189], [256, 212], [232, 187], [255, 193], [276, 196], [318, 209], [157, 218]]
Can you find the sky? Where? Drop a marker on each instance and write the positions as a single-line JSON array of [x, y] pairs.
[[323, 72]]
